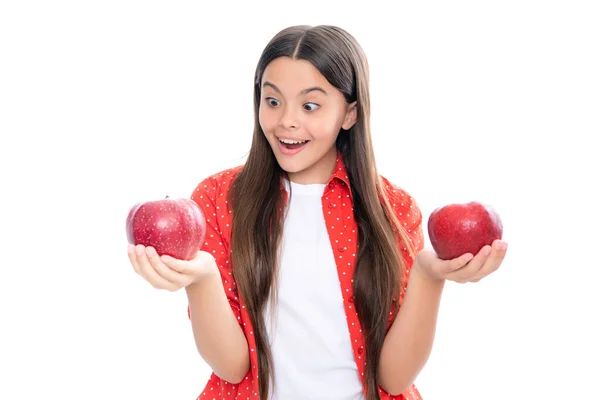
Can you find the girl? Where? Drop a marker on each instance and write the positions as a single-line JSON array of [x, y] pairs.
[[312, 282]]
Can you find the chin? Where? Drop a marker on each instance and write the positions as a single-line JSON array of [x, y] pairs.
[[289, 167]]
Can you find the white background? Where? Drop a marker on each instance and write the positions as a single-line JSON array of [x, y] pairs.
[[103, 104]]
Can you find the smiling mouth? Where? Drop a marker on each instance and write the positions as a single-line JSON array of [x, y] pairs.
[[293, 144]]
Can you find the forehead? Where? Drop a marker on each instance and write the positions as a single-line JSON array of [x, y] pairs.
[[294, 75]]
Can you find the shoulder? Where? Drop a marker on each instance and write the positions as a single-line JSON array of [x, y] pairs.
[[216, 184], [211, 195], [401, 200], [406, 210]]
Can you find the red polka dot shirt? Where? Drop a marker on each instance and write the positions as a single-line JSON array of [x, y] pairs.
[[211, 196]]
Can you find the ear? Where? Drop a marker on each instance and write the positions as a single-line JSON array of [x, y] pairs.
[[350, 118]]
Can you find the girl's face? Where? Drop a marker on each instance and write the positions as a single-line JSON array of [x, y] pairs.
[[299, 105]]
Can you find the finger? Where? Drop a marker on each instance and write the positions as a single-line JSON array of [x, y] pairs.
[[450, 266], [132, 258], [493, 262], [148, 271], [180, 266], [177, 279], [472, 268]]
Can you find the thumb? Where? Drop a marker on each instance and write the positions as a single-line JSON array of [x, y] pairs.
[[457, 263], [174, 263]]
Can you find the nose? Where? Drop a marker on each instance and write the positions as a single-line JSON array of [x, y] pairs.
[[289, 119]]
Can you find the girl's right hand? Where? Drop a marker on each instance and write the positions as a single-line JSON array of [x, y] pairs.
[[168, 273]]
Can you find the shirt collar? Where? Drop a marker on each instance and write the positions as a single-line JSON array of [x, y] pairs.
[[340, 172]]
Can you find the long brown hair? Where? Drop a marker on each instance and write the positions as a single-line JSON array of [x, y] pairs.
[[256, 200]]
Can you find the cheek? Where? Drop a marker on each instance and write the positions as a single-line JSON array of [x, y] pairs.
[[324, 127], [265, 119]]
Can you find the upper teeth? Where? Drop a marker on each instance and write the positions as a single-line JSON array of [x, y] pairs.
[[292, 141]]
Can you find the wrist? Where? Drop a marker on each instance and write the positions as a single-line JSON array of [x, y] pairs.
[[206, 277], [421, 272], [205, 268], [204, 287]]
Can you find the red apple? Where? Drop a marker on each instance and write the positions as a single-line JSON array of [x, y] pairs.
[[175, 227], [457, 229]]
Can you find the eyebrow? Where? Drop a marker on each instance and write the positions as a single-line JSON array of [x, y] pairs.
[[305, 91]]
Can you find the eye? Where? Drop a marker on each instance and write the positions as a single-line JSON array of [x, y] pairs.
[[272, 102], [311, 106]]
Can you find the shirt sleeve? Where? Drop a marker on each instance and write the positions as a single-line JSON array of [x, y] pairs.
[[207, 195], [412, 222], [409, 214]]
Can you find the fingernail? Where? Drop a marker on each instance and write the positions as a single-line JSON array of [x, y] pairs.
[[139, 250], [149, 252], [487, 250], [500, 246]]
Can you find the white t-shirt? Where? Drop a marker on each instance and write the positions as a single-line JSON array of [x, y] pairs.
[[309, 336]]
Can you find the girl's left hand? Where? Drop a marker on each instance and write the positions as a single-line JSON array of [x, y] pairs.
[[466, 268]]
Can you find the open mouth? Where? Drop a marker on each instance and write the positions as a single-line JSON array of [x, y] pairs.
[[293, 144]]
